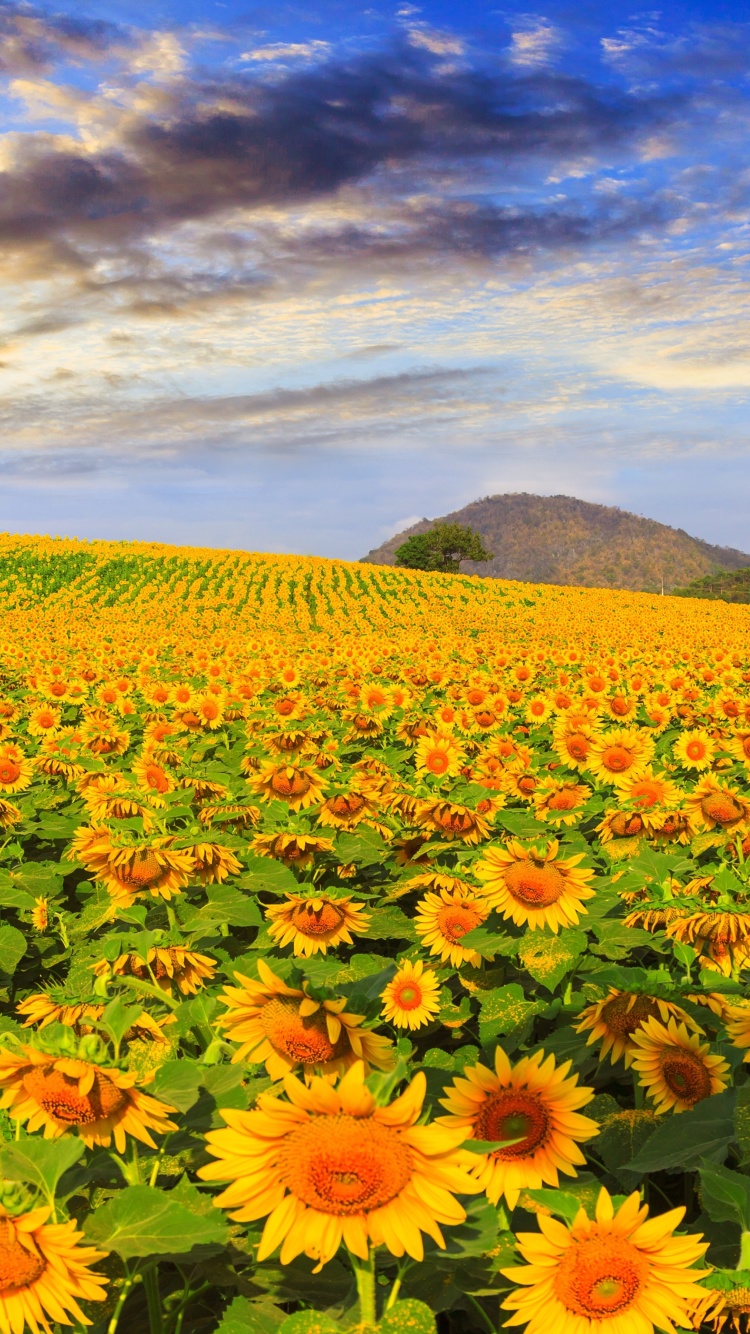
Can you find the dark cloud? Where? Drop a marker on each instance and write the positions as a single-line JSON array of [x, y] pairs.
[[32, 41]]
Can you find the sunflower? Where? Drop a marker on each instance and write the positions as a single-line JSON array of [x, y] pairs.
[[573, 743], [286, 1028], [533, 1102], [674, 1066], [345, 809], [439, 755], [40, 914], [412, 998], [453, 820], [445, 917], [720, 1308], [737, 1022], [297, 785], [330, 1165], [720, 939], [101, 735], [622, 753], [44, 1272], [714, 805], [231, 815], [614, 1274], [107, 798], [560, 802], [694, 749], [16, 772], [167, 966], [291, 849], [313, 923], [212, 862], [614, 1020], [43, 720], [649, 790], [739, 746], [130, 869], [9, 814], [535, 887], [64, 1093], [152, 778], [210, 710]]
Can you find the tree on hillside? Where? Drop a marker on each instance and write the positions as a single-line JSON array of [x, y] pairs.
[[442, 548]]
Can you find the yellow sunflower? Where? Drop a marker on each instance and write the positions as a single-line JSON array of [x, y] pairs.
[[212, 862], [167, 966], [445, 917], [623, 753], [560, 803], [292, 849], [452, 820], [533, 1102], [618, 1273], [16, 772], [721, 939], [694, 749], [44, 1272], [9, 814], [438, 754], [573, 744], [675, 1067], [649, 791], [128, 869], [535, 887], [737, 1022], [714, 805], [739, 746], [298, 785], [313, 923], [412, 998], [286, 1028], [330, 1166], [64, 1093], [44, 720], [614, 1020]]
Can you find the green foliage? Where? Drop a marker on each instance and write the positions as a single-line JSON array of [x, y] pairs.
[[442, 548]]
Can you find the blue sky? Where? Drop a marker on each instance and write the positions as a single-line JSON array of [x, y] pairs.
[[287, 277]]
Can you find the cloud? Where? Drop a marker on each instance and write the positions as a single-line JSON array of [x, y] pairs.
[[286, 51], [534, 45], [32, 40], [437, 43]]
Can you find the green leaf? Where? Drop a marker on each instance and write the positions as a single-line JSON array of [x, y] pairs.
[[490, 943], [40, 1162], [505, 1011], [617, 940], [11, 896], [725, 1195], [227, 905], [682, 1141], [12, 948], [141, 1221], [560, 1202], [309, 1322], [178, 1083], [366, 847], [251, 1317], [118, 1018], [390, 924], [264, 876], [408, 1317], [622, 1137], [548, 958]]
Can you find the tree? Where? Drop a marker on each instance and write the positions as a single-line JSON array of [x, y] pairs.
[[442, 548]]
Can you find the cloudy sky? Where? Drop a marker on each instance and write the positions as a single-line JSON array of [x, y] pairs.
[[289, 276]]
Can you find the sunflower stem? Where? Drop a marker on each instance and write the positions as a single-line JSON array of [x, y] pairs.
[[151, 1285], [744, 1260], [364, 1273], [130, 1281]]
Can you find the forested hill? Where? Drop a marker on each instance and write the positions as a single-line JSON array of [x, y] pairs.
[[561, 540]]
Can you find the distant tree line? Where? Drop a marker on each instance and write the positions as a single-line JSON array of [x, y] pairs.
[[442, 549]]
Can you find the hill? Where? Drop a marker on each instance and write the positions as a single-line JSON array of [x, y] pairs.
[[561, 540]]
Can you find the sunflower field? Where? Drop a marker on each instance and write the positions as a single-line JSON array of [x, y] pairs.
[[374, 950]]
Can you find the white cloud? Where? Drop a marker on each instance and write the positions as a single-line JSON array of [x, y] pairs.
[[439, 43], [535, 44], [288, 51]]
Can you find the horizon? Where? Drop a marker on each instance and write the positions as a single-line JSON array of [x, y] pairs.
[[286, 280]]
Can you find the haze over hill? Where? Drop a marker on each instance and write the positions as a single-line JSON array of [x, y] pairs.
[[561, 540]]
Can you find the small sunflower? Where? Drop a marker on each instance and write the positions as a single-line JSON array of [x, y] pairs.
[[44, 1272], [649, 791], [63, 1093], [412, 998], [44, 720], [292, 849], [445, 917], [614, 1020], [618, 1273], [675, 1067], [737, 1022], [721, 939], [715, 805], [452, 820], [313, 923], [573, 744], [559, 802], [297, 785], [739, 746], [623, 753], [9, 814], [439, 755], [694, 749], [346, 808], [330, 1166], [16, 772], [212, 862], [533, 1102], [167, 966], [286, 1028], [535, 887]]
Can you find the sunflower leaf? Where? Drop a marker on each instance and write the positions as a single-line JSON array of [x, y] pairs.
[[407, 1317], [12, 948], [142, 1221], [40, 1162], [682, 1141], [725, 1195], [251, 1317]]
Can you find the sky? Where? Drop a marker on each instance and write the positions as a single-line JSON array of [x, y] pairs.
[[288, 277]]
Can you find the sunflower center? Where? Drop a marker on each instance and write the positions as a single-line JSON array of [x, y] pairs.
[[345, 1165], [617, 759], [566, 800], [290, 783], [721, 808], [437, 762], [696, 750], [619, 1019], [685, 1075], [454, 820], [578, 746], [455, 920], [347, 805], [600, 1276], [60, 1098], [536, 886], [303, 1039], [645, 794], [142, 869], [9, 771], [156, 778], [317, 921], [19, 1268], [516, 1115], [408, 996], [626, 825]]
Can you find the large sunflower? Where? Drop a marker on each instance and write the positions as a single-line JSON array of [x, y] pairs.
[[314, 922], [675, 1067], [330, 1165], [445, 917], [287, 1029], [614, 1020], [620, 754], [532, 1102], [720, 939], [44, 1273], [64, 1093], [534, 887], [298, 785], [128, 869], [715, 805], [618, 1273]]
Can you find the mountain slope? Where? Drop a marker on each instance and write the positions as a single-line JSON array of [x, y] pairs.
[[561, 540]]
